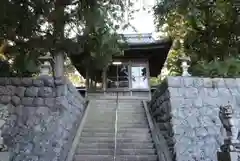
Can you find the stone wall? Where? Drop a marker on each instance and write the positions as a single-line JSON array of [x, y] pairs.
[[160, 110], [186, 110], [43, 116]]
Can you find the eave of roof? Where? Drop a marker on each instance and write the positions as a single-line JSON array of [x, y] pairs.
[[143, 39]]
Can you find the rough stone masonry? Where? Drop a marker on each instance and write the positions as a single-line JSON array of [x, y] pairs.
[[186, 110], [42, 117]]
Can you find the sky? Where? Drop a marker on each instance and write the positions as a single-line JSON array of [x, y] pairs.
[[143, 21]]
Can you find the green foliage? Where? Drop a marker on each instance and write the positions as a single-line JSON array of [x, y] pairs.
[[216, 68], [154, 81], [33, 28], [209, 30]]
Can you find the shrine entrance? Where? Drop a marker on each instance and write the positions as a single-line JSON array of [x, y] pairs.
[[128, 75]]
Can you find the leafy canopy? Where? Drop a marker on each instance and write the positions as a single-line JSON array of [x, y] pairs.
[[207, 31], [30, 28]]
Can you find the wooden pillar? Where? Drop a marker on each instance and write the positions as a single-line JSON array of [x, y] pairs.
[[95, 82], [87, 80], [104, 79], [58, 65], [91, 83]]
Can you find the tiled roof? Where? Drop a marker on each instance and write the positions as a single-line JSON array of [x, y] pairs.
[[145, 38]]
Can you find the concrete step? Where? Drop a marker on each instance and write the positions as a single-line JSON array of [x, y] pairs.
[[96, 145], [107, 118], [119, 130], [130, 107], [139, 111], [138, 103], [95, 151], [119, 145], [136, 145], [91, 141], [119, 122], [100, 120], [99, 113], [136, 158], [99, 129], [118, 151], [119, 139], [102, 107], [129, 117], [134, 135], [133, 130], [94, 158], [131, 121], [96, 139], [135, 152], [131, 125], [119, 134], [93, 126], [130, 113], [98, 134], [99, 123], [119, 126]]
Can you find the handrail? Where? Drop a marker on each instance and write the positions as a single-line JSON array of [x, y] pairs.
[[159, 140], [115, 128]]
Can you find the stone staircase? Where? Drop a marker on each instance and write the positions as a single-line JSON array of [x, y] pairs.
[[115, 134]]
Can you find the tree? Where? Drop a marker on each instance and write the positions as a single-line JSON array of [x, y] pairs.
[[35, 27], [208, 30]]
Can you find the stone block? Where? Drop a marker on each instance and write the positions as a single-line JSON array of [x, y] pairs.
[[208, 83], [230, 82], [16, 100], [201, 132], [45, 92], [174, 81], [235, 92], [27, 82], [4, 156], [190, 92], [38, 82], [5, 81], [50, 102], [16, 81], [175, 92], [60, 81], [188, 81], [38, 101], [61, 101], [198, 82], [5, 99], [20, 91], [7, 90], [218, 83], [43, 110], [61, 90], [3, 90], [27, 101], [49, 81], [211, 92], [31, 92], [206, 121]]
